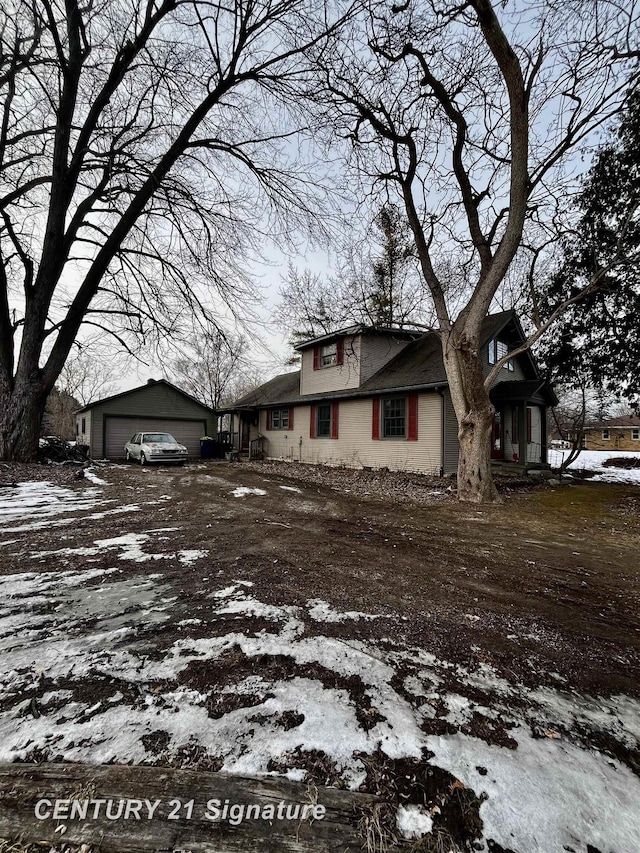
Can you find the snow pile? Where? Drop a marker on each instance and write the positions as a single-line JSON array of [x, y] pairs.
[[593, 460]]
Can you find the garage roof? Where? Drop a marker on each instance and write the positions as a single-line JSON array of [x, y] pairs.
[[139, 388]]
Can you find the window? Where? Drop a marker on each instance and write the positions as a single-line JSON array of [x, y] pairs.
[[394, 421], [635, 433], [497, 351], [605, 435], [279, 419], [328, 354], [84, 426], [515, 439], [323, 421]]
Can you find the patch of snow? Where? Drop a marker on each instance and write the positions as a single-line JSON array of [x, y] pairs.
[[92, 477], [43, 499], [243, 491], [189, 556], [413, 822], [321, 611], [291, 489], [547, 794]]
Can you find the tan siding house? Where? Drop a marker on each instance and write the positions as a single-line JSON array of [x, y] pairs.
[[371, 397], [621, 433]]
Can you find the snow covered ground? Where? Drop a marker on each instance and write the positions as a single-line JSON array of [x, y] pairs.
[[81, 680], [593, 460]]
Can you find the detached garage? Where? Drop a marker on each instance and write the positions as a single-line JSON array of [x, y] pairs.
[[157, 406]]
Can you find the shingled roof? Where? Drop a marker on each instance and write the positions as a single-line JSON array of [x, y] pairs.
[[417, 366]]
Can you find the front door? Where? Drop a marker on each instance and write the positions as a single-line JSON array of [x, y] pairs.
[[245, 426], [497, 450]]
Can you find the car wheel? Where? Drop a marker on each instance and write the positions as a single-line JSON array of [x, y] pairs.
[[143, 459]]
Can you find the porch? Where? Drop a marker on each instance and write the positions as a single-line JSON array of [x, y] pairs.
[[242, 436], [519, 434]]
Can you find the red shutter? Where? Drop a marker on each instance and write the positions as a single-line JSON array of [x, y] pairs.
[[528, 425], [268, 418], [312, 422], [334, 419], [316, 358], [290, 418], [375, 426], [412, 431], [340, 351]]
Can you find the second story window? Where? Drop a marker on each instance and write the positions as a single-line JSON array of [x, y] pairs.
[[328, 354], [497, 351]]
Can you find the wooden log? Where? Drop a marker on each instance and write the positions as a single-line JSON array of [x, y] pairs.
[[108, 808]]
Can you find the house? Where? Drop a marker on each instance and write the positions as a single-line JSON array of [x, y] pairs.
[[379, 397], [620, 433], [157, 406]]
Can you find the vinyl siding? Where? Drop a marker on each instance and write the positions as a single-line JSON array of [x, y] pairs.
[[376, 351], [355, 447], [505, 375], [334, 378], [534, 447], [157, 401]]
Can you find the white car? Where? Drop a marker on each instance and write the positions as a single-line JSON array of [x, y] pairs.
[[147, 447]]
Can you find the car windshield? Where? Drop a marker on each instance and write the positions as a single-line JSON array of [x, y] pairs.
[[159, 438]]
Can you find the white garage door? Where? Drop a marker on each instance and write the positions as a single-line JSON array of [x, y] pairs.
[[119, 430]]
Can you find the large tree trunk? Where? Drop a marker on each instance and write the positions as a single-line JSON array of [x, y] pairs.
[[474, 412], [21, 412]]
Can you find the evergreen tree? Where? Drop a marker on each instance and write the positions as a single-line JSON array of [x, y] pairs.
[[599, 336]]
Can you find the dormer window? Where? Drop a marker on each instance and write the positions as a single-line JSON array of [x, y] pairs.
[[497, 351], [329, 354]]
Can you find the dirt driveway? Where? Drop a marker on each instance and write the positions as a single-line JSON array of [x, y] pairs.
[[349, 628]]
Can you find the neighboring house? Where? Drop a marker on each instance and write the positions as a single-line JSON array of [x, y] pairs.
[[157, 406], [379, 398], [621, 433]]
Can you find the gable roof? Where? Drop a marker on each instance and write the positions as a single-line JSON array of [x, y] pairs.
[[147, 384]]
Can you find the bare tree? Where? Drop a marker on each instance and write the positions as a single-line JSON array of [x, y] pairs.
[[215, 369], [143, 155], [89, 375], [376, 283], [468, 110]]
